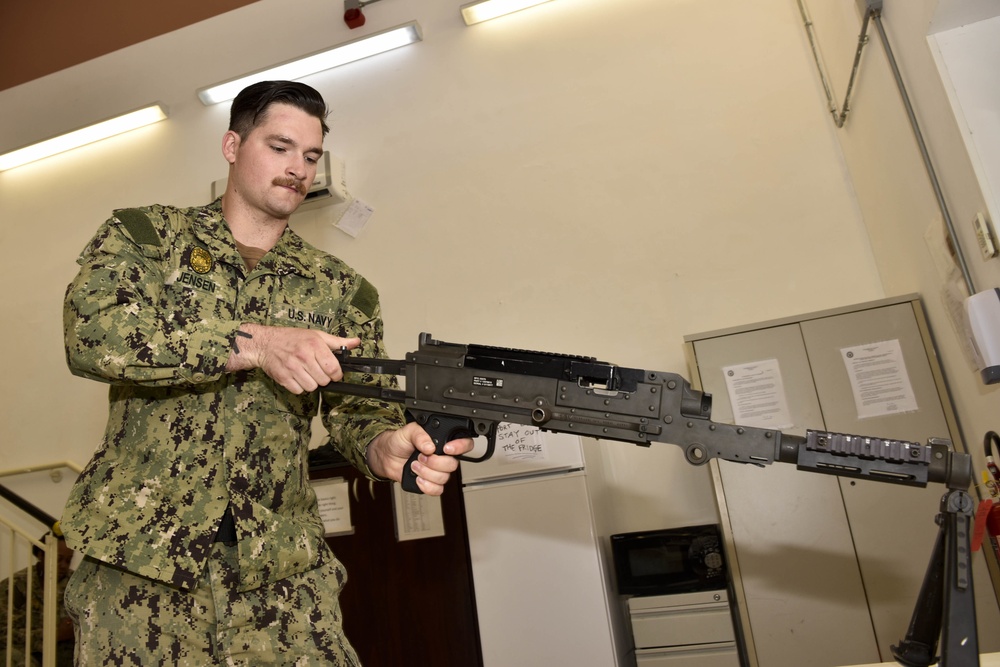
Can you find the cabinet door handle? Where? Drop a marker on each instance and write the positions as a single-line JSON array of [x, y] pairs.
[[354, 490], [371, 488]]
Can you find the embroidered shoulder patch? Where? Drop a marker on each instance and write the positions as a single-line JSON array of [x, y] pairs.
[[138, 226], [365, 298]]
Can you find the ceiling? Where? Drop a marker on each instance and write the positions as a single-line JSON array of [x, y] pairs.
[[39, 38], [951, 14]]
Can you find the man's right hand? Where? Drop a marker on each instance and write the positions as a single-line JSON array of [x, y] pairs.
[[300, 360]]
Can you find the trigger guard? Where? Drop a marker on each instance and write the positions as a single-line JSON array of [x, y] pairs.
[[490, 434], [476, 459]]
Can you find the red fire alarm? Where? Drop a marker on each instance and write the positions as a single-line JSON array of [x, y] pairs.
[[354, 18]]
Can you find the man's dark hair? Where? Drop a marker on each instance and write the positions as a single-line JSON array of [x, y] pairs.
[[250, 107]]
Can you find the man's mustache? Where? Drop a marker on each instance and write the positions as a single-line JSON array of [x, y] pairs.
[[299, 185]]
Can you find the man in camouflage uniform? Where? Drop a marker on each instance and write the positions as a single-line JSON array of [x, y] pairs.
[[215, 327]]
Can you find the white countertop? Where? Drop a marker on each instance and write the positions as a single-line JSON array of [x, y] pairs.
[[985, 660]]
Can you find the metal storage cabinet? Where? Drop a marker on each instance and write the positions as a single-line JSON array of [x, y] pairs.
[[705, 655], [826, 570], [689, 629]]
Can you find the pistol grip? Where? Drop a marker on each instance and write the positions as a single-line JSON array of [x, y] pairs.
[[409, 481], [442, 429]]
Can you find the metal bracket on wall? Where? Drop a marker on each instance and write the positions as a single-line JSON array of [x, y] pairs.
[[868, 6]]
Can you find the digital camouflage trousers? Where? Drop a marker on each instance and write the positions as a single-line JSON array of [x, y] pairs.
[[126, 620]]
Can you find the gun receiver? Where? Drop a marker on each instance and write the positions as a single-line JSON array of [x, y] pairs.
[[456, 391]]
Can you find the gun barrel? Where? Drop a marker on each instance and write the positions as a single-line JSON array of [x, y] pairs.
[[880, 459]]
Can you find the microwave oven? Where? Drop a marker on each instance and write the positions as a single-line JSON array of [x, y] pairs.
[[672, 560]]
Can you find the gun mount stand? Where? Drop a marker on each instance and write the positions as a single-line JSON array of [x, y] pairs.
[[945, 607]]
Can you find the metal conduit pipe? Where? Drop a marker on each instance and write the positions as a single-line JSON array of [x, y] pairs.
[[938, 193], [874, 11], [838, 118]]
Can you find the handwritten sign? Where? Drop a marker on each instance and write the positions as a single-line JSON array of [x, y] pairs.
[[517, 443]]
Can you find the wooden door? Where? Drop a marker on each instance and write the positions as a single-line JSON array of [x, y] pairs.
[[405, 603]]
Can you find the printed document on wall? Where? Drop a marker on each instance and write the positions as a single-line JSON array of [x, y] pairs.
[[416, 516], [879, 379], [334, 505], [758, 394]]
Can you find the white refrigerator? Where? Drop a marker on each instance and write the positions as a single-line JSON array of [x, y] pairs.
[[542, 591]]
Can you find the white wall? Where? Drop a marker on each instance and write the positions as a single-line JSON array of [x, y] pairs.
[[892, 185], [583, 177]]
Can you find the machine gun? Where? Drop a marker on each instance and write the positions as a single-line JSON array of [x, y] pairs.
[[465, 391]]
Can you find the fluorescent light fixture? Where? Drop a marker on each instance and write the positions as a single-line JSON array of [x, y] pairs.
[[87, 135], [356, 49], [484, 10]]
